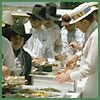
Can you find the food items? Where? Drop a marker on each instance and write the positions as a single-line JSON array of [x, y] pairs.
[[21, 96], [41, 94], [7, 90], [28, 93], [7, 85], [51, 90], [39, 73], [37, 62], [15, 78], [64, 71], [25, 91]]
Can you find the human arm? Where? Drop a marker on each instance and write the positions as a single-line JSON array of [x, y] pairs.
[[8, 55], [58, 41], [90, 65], [49, 51], [90, 58]]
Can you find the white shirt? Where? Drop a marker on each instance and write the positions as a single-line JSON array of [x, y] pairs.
[[55, 35], [8, 54], [28, 27], [67, 37], [39, 44], [89, 67]]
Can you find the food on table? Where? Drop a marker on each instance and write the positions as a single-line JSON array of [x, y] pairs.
[[15, 78], [39, 73], [26, 91], [68, 67], [41, 94], [21, 96], [51, 89]]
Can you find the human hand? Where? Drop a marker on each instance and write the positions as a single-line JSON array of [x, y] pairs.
[[59, 56], [62, 78], [75, 46], [38, 60], [5, 71], [71, 60]]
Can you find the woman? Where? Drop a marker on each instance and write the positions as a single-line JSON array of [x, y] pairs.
[[17, 36]]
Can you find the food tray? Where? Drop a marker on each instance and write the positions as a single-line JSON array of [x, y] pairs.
[[54, 94], [33, 94]]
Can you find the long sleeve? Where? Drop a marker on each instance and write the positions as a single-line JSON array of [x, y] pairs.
[[49, 51], [90, 63], [8, 54], [58, 42], [55, 35]]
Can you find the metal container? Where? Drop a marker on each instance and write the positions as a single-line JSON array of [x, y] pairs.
[[61, 94], [48, 80]]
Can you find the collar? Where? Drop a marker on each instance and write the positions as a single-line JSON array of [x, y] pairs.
[[92, 27]]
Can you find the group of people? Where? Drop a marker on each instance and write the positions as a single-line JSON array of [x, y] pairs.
[[77, 39]]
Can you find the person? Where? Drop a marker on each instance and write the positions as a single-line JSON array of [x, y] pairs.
[[95, 12], [39, 45], [52, 28], [8, 65], [91, 26], [7, 19], [18, 37], [89, 67], [71, 35]]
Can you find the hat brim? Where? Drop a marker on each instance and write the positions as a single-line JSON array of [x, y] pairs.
[[7, 32], [41, 18], [53, 17], [94, 8], [11, 32], [64, 23], [74, 21], [27, 36]]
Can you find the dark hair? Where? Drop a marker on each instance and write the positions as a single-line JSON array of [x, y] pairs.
[[89, 18]]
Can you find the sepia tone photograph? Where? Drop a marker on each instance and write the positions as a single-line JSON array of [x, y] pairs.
[[49, 49]]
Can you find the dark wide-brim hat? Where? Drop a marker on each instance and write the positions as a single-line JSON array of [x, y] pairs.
[[17, 28], [65, 20], [51, 10], [40, 12]]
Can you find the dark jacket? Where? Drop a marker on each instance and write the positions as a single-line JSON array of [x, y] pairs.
[[28, 65], [26, 62]]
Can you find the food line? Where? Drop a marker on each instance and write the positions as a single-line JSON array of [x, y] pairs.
[[43, 85]]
